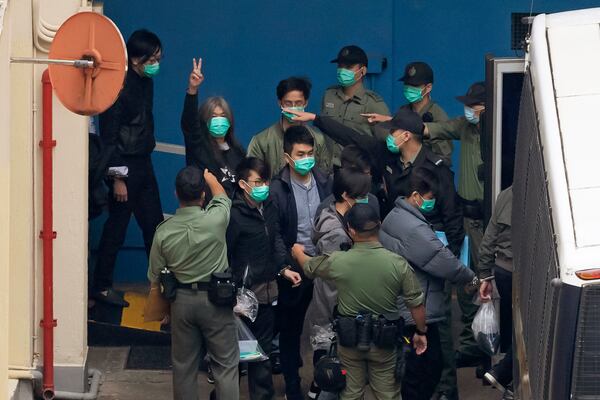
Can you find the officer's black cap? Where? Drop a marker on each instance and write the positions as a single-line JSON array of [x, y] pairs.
[[407, 120], [362, 218], [475, 94], [417, 73], [351, 55]]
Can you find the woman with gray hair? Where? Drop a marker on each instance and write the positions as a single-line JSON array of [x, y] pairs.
[[209, 133]]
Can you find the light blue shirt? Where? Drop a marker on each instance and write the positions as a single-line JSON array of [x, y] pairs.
[[307, 202]]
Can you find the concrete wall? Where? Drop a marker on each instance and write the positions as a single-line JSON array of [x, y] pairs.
[[20, 209]]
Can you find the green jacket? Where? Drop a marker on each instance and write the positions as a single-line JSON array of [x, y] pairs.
[[268, 146], [442, 148], [192, 242], [496, 245], [347, 111], [368, 278], [469, 185]]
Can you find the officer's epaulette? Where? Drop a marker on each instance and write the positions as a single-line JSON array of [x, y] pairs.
[[374, 96], [434, 158]]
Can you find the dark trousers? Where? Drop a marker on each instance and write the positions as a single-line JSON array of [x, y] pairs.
[[423, 372], [504, 284], [260, 379], [143, 202], [290, 322]]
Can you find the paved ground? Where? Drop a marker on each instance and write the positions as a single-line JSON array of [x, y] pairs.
[[119, 383]]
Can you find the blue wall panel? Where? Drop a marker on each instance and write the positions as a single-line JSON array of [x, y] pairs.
[[248, 46]]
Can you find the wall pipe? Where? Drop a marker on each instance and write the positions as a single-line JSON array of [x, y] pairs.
[[47, 235], [36, 377]]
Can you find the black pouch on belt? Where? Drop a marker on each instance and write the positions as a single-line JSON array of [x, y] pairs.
[[222, 290], [168, 284], [386, 330], [472, 208], [345, 327]]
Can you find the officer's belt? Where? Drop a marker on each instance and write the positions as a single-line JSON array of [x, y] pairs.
[[472, 208], [203, 286]]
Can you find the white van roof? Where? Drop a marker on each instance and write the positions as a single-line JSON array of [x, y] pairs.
[[565, 68]]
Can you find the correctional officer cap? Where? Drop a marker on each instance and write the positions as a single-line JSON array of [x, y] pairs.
[[350, 55], [362, 218], [407, 120], [417, 73], [329, 375], [475, 94]]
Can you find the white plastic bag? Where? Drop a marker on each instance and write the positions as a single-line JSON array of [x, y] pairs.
[[486, 328], [247, 304], [321, 337], [250, 350]]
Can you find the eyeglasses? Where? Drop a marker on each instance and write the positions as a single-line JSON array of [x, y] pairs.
[[258, 182]]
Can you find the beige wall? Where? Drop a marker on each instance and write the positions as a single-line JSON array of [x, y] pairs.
[[20, 207]]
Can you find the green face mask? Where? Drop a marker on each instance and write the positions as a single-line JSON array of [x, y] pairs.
[[391, 144], [151, 70], [363, 200], [218, 126], [304, 165], [426, 205], [413, 94], [288, 115], [259, 193], [346, 77]]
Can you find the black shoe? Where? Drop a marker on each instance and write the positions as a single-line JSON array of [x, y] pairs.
[[210, 378], [243, 369], [445, 395], [314, 391], [275, 363], [293, 391], [508, 394], [480, 372], [496, 382], [110, 296]]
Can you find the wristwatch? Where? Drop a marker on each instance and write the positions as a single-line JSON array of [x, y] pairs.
[[419, 332]]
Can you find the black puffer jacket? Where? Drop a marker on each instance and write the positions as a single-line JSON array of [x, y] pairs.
[[253, 240], [127, 127]]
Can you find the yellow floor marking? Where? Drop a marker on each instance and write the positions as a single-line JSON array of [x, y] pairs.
[[133, 316]]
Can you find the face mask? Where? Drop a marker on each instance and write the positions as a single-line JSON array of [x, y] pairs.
[[289, 116], [304, 165], [218, 126], [364, 200], [346, 77], [259, 193], [426, 205], [151, 70], [413, 94], [470, 115], [391, 144]]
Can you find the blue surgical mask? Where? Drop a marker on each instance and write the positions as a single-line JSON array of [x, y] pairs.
[[413, 93], [259, 193], [304, 165], [218, 126], [427, 205], [151, 70], [363, 200], [290, 116], [470, 115], [346, 77], [391, 144]]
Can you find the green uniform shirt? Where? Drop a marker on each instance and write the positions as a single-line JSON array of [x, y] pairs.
[[192, 242], [496, 245], [368, 278], [337, 105], [268, 146], [442, 148], [469, 185]]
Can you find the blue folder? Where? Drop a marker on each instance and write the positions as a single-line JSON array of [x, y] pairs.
[[464, 250]]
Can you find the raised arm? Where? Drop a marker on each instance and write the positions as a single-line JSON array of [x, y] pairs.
[[446, 130]]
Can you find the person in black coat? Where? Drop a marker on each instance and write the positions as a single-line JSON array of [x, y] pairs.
[[396, 158], [127, 138], [297, 191], [257, 256], [208, 133]]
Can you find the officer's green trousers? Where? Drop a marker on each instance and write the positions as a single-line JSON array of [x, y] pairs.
[[375, 366], [194, 319]]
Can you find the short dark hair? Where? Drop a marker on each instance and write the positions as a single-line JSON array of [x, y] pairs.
[[294, 83], [297, 134], [355, 157], [423, 181], [143, 44], [253, 164], [363, 219], [190, 184], [352, 181]]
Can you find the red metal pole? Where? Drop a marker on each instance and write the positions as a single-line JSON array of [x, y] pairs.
[[47, 235]]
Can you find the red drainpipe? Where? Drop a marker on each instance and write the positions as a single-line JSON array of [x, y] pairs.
[[47, 235]]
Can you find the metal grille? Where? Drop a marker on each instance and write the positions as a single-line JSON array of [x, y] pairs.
[[586, 364], [518, 30], [534, 248]]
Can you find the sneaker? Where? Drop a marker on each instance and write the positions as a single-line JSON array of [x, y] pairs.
[[110, 296], [493, 380], [508, 395], [210, 378], [314, 391]]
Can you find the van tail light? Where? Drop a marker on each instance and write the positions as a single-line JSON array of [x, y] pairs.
[[588, 274]]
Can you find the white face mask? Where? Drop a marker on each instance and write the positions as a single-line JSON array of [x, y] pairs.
[[471, 116]]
